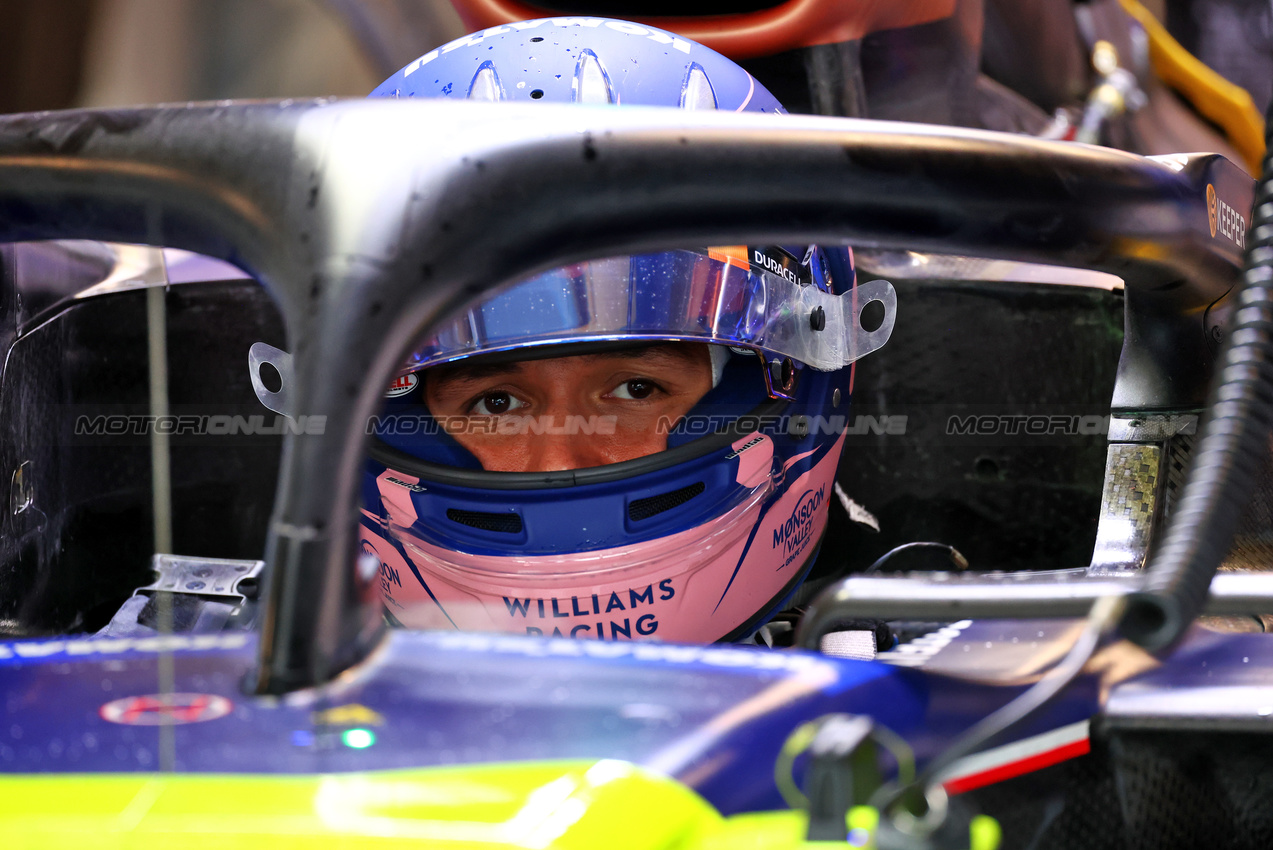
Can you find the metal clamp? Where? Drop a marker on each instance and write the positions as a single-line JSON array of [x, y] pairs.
[[219, 577]]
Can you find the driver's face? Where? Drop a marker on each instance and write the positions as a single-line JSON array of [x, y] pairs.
[[621, 396]]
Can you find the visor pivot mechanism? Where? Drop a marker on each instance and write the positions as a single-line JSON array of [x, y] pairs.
[[818, 319], [781, 377]]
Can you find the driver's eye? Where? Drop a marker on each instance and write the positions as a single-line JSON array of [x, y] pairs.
[[496, 404], [637, 388]]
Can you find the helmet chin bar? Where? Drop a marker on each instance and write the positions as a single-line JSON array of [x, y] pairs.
[[365, 243]]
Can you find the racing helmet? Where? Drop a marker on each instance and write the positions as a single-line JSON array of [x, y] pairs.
[[702, 539]]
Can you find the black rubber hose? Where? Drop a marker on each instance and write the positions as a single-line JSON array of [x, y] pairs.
[[1234, 444]]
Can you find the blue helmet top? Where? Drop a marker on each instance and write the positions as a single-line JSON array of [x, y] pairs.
[[581, 60]]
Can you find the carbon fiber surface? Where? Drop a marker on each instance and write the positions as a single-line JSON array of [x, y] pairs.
[[1132, 475], [1143, 791], [942, 452], [1253, 542]]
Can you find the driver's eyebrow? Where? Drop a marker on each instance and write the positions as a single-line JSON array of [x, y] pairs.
[[461, 373], [465, 372]]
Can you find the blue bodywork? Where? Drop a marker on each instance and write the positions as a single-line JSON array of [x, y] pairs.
[[712, 717]]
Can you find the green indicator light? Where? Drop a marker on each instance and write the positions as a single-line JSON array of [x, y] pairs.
[[358, 739]]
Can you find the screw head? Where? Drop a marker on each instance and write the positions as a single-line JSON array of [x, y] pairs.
[[835, 397], [818, 319]]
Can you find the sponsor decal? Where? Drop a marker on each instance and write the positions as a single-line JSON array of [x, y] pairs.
[[352, 714], [794, 534], [778, 262], [919, 651], [389, 577], [752, 443], [1224, 220], [596, 615], [413, 487], [165, 709], [735, 657], [62, 650], [402, 385]]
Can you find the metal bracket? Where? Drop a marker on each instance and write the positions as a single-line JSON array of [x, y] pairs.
[[216, 577]]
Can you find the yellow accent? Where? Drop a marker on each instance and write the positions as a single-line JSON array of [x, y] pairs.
[[567, 805], [352, 714], [866, 818], [1104, 57], [984, 833], [1228, 105], [1213, 213]]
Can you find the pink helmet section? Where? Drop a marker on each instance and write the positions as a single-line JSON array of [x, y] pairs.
[[695, 586]]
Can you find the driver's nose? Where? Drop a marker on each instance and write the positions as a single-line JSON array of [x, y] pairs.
[[556, 452]]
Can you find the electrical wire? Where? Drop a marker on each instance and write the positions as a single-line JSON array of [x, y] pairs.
[[1101, 621], [956, 557]]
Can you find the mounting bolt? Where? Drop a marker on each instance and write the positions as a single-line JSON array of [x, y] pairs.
[[818, 319], [835, 397]]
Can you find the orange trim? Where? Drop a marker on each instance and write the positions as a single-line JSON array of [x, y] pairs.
[[796, 23], [727, 253]]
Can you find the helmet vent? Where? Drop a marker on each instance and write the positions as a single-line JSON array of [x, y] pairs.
[[697, 92], [640, 509], [485, 85], [591, 83], [509, 523]]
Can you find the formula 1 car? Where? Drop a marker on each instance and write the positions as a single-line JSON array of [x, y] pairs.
[[244, 698]]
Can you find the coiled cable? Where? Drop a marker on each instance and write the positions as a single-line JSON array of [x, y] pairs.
[[1235, 441]]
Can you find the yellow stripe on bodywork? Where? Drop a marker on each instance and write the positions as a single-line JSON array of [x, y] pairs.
[[1225, 103], [565, 805]]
